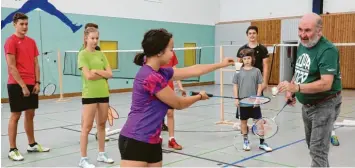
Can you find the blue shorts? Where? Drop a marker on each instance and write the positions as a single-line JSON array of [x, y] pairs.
[[249, 112]]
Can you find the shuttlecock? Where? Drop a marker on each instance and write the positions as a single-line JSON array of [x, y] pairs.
[[274, 91]]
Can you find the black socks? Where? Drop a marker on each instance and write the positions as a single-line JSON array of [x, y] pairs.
[[32, 145], [12, 149]]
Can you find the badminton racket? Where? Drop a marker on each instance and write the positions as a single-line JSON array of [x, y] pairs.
[[267, 127], [51, 87], [111, 115], [247, 101]]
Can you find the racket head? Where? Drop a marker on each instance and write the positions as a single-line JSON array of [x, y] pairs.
[[111, 115], [265, 127], [254, 100], [114, 113], [49, 89]]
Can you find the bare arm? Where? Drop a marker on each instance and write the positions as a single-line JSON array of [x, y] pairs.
[[200, 69], [37, 70], [322, 85], [89, 75], [266, 70], [179, 82], [260, 89], [168, 96], [107, 73], [13, 70], [194, 71], [235, 91]]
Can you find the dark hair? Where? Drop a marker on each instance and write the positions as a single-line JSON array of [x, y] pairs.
[[154, 42], [91, 25], [252, 28], [248, 52], [19, 16]]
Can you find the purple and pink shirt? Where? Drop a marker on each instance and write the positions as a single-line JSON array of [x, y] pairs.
[[147, 112]]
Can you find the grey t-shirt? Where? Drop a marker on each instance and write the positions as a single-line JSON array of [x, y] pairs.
[[247, 82]]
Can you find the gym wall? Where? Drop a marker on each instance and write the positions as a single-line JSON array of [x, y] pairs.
[[123, 21]]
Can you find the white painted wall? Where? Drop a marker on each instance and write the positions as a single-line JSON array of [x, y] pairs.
[[336, 6], [237, 10], [204, 12]]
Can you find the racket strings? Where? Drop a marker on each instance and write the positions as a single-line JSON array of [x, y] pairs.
[[49, 89], [255, 100], [265, 128]]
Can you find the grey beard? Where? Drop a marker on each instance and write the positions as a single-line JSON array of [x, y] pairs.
[[311, 42]]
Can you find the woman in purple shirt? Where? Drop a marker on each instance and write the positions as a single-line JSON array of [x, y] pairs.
[[139, 141]]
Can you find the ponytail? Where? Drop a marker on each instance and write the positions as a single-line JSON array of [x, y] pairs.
[[139, 59]]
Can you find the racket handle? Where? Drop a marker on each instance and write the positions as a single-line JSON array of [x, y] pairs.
[[196, 93], [289, 101]]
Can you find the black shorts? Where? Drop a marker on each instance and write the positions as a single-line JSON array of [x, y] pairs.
[[134, 150], [18, 102], [249, 112], [95, 100]]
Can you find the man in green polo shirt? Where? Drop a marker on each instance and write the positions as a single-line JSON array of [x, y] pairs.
[[317, 85]]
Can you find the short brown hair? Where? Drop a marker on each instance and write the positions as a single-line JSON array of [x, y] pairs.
[[252, 28], [91, 25], [19, 16], [248, 52]]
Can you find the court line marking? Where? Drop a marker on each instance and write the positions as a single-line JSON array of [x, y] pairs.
[[277, 163], [50, 128], [198, 156], [257, 155], [61, 155]]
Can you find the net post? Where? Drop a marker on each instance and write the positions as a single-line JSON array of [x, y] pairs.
[[221, 112], [60, 77]]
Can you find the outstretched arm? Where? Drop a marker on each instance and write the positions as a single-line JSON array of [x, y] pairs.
[[200, 69], [168, 96]]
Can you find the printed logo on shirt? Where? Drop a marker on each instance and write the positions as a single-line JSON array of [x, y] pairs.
[[303, 64]]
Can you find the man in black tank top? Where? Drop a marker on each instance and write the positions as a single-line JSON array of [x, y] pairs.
[[261, 54]]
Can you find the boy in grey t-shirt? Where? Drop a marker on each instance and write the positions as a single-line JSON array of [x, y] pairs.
[[248, 83]]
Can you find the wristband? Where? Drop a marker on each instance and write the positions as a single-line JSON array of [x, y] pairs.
[[299, 88], [201, 96]]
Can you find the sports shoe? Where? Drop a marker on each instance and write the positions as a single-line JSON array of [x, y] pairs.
[[15, 155], [84, 163], [102, 157], [334, 140], [264, 146], [246, 146], [37, 148], [174, 144]]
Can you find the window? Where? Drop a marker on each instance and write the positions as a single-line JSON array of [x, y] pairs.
[[112, 57], [189, 54]]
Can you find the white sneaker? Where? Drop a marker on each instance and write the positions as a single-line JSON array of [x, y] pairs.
[[265, 147], [15, 155], [37, 148], [102, 157], [84, 163], [246, 146]]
